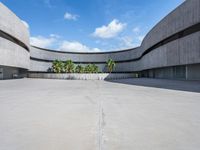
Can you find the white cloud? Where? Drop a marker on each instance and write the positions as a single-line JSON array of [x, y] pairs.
[[140, 38], [54, 41], [130, 41], [136, 30], [76, 46], [69, 16], [25, 23], [109, 31], [127, 42], [41, 41], [55, 36]]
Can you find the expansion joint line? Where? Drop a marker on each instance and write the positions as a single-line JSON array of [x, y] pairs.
[[100, 125]]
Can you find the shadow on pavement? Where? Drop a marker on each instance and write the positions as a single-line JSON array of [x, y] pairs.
[[181, 85]]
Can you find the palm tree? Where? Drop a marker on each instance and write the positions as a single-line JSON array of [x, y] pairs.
[[79, 69], [95, 68], [69, 66], [57, 66], [110, 65], [88, 68]]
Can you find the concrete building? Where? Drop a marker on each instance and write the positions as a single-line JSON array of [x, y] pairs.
[[14, 45], [170, 50]]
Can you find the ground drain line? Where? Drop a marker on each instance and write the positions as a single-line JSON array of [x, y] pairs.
[[100, 125]]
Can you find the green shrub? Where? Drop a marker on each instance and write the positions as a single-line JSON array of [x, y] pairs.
[[79, 69], [69, 66], [87, 69], [91, 68], [95, 68], [58, 66]]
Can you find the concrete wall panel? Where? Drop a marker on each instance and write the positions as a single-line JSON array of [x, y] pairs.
[[13, 55], [13, 25], [14, 40], [181, 18]]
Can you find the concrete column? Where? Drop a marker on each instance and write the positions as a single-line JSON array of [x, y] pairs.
[[186, 72]]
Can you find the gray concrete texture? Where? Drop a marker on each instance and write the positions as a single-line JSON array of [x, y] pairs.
[[11, 54], [82, 76], [182, 17], [193, 72], [98, 115], [13, 25]]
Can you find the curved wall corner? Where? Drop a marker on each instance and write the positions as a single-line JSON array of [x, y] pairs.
[[14, 44], [183, 17]]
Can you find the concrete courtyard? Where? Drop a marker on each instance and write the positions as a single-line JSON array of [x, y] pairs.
[[131, 114]]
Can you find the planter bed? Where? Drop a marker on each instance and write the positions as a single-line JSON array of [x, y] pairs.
[[77, 76]]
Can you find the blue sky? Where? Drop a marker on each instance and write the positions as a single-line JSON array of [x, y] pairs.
[[90, 25]]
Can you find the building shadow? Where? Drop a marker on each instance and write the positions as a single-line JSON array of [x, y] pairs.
[[180, 85]]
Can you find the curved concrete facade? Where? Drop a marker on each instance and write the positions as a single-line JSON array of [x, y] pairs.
[[170, 50], [14, 44], [41, 59]]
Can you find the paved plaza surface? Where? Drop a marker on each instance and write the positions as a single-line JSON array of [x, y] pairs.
[[129, 114]]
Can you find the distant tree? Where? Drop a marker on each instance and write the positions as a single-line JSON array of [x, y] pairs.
[[95, 68], [79, 69], [88, 68], [110, 65], [69, 66], [58, 66], [91, 68]]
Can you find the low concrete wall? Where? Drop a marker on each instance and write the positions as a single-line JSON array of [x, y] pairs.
[[76, 76]]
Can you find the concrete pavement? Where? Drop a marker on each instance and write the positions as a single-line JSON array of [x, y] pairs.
[[38, 114]]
